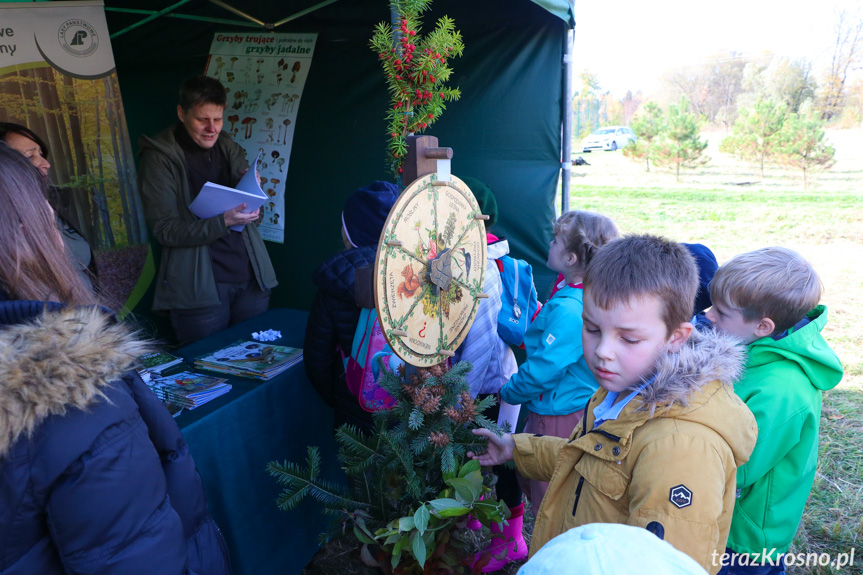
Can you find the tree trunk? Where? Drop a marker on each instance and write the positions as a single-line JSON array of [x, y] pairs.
[[139, 223], [62, 130], [82, 195], [110, 112], [104, 214]]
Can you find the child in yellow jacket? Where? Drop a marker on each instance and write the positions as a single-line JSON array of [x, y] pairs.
[[662, 438]]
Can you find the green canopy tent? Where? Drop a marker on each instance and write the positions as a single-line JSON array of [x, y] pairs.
[[505, 130]]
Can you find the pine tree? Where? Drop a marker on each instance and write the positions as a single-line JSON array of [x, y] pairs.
[[680, 143], [648, 126], [757, 131], [802, 145]]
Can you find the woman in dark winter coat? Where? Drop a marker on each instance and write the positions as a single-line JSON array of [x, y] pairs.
[[94, 474], [340, 297]]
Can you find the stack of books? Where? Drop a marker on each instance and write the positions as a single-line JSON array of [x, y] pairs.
[[251, 359], [189, 390], [153, 364]]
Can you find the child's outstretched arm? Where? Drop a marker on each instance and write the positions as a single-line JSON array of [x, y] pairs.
[[499, 448]]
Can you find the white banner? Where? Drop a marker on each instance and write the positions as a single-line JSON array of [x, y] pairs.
[[71, 37], [264, 74]]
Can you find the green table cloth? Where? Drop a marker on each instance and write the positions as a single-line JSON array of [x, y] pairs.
[[233, 437]]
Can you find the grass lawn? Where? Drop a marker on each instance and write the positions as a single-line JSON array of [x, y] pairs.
[[731, 209]]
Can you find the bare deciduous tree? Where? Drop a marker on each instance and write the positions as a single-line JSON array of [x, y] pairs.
[[847, 56]]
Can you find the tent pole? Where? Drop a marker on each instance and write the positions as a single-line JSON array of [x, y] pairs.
[[304, 12], [566, 127], [182, 16], [150, 18], [242, 14]]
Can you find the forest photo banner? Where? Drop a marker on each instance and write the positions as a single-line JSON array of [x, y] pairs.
[[57, 78]]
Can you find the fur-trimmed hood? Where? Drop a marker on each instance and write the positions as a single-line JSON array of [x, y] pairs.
[[705, 357], [695, 385], [56, 361]]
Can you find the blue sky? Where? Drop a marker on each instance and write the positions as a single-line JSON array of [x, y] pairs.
[[629, 44]]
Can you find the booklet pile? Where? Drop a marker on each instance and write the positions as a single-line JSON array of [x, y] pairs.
[[153, 364], [189, 390], [251, 359]]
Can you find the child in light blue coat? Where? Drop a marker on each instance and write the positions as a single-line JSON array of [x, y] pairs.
[[554, 383]]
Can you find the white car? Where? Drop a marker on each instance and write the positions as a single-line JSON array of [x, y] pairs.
[[609, 138]]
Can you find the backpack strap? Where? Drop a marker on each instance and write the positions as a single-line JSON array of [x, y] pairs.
[[360, 346]]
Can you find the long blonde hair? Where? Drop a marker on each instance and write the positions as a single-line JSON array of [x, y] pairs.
[[33, 260]]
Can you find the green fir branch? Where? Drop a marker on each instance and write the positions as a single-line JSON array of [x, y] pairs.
[[301, 482]]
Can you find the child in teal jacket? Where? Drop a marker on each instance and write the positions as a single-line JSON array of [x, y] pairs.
[[554, 383], [769, 298]]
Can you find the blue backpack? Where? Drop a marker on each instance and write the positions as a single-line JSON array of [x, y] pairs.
[[518, 297]]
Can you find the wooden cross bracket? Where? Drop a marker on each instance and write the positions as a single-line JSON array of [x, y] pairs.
[[422, 157]]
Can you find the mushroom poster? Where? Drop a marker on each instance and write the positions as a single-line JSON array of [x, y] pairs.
[[264, 75]]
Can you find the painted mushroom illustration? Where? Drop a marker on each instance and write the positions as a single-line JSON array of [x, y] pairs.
[[271, 101], [238, 100], [290, 103], [230, 76], [280, 162], [264, 180], [269, 122], [233, 60], [233, 120], [284, 137], [275, 154], [258, 62], [219, 65], [295, 68], [272, 206], [247, 122]]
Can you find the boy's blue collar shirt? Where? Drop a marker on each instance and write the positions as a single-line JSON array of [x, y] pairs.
[[608, 410]]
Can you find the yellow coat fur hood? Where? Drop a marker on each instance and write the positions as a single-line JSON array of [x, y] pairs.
[[667, 463]]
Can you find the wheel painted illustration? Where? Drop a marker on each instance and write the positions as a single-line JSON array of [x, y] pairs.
[[429, 270]]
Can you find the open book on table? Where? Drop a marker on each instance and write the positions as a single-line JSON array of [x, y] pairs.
[[214, 199]]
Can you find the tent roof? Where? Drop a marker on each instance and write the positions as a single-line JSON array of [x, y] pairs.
[[263, 14]]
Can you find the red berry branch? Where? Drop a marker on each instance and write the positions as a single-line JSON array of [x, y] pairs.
[[416, 69]]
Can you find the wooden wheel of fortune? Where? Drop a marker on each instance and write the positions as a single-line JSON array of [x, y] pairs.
[[429, 270]]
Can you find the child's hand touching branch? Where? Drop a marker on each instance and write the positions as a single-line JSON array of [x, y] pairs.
[[499, 448]]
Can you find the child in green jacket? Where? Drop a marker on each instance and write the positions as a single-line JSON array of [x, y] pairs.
[[769, 299]]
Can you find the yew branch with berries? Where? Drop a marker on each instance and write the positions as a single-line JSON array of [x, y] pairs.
[[416, 69]]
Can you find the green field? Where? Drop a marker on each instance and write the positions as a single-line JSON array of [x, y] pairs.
[[731, 210]]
